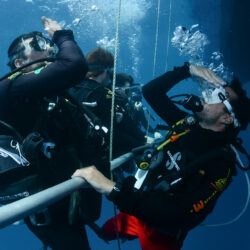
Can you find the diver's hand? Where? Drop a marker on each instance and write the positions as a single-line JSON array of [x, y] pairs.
[[95, 179], [208, 75], [50, 25]]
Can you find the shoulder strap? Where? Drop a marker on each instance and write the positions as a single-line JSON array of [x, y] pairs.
[[89, 88]]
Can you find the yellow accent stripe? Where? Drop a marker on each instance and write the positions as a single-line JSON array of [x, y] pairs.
[[169, 140]]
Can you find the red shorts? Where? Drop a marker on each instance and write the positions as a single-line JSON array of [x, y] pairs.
[[130, 227]]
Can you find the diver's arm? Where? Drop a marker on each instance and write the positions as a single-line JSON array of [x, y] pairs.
[[203, 74], [165, 210], [155, 94], [96, 179], [157, 208], [51, 26], [68, 69], [152, 208]]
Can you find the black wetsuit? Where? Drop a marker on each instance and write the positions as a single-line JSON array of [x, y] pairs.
[[27, 89], [24, 107], [126, 134], [187, 203], [139, 117]]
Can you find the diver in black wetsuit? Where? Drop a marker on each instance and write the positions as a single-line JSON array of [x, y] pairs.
[[24, 105], [188, 172], [125, 85], [96, 96], [134, 107], [93, 93]]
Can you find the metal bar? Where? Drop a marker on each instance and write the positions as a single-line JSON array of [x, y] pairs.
[[120, 160], [128, 156], [20, 209]]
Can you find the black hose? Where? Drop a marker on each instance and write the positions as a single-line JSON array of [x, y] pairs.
[[174, 96], [48, 59], [94, 119], [140, 148], [14, 131]]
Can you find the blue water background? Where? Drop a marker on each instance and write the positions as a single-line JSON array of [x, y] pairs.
[[135, 57]]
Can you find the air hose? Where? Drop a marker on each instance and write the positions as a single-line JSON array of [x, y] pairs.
[[48, 59]]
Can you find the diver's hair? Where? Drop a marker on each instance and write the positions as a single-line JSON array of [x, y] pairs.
[[99, 56], [241, 105], [121, 79], [16, 48]]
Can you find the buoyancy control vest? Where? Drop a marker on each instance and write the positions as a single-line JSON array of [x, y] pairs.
[[21, 171], [19, 177], [180, 173], [175, 159], [31, 164]]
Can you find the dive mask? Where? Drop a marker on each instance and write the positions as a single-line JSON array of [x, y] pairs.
[[40, 43]]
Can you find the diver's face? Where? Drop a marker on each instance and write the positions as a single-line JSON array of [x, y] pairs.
[[217, 116], [125, 88], [212, 113]]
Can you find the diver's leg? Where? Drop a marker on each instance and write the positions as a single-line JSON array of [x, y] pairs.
[[126, 226], [59, 234], [152, 239], [61, 237], [130, 227]]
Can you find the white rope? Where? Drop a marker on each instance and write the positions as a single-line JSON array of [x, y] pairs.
[[237, 156], [114, 82], [155, 55], [248, 194], [149, 115], [156, 37], [169, 29], [113, 111]]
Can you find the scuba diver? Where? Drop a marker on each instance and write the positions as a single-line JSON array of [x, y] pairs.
[[130, 90], [44, 66], [95, 95], [187, 173]]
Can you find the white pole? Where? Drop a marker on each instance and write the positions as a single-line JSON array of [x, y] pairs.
[[20, 209]]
